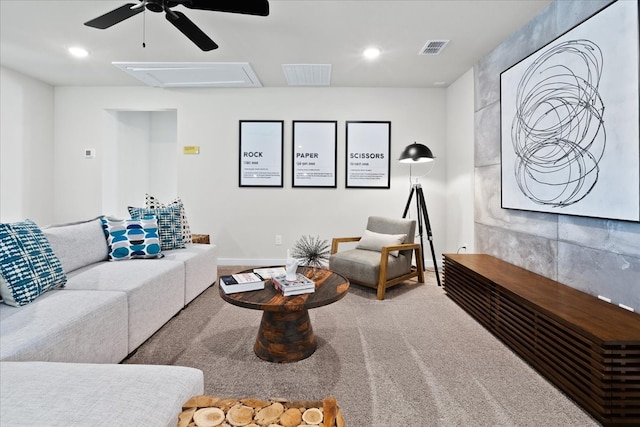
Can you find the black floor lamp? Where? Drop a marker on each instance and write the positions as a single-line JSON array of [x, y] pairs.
[[418, 153]]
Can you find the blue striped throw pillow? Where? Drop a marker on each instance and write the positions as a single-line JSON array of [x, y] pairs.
[[28, 265]]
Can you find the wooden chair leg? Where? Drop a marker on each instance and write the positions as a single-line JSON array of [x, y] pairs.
[[382, 275], [382, 288]]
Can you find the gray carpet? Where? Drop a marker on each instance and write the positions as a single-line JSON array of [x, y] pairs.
[[414, 359]]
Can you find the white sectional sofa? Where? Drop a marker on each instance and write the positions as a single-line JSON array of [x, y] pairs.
[[77, 394], [105, 311]]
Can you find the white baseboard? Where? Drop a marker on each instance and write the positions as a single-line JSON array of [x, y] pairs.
[[262, 262]]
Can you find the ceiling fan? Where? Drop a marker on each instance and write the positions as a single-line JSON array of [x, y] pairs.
[[179, 19]]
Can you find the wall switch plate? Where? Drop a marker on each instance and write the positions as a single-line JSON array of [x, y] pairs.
[[278, 239]]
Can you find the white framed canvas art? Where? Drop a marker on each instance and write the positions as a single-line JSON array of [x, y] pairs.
[[570, 140]]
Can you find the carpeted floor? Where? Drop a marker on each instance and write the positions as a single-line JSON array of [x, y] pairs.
[[414, 359]]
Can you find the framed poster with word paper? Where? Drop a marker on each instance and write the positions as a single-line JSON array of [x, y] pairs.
[[314, 154]]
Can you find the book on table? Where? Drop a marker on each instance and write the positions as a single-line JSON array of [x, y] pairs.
[[268, 272], [302, 285], [241, 282]]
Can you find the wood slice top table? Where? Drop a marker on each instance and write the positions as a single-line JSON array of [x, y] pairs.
[[285, 333]]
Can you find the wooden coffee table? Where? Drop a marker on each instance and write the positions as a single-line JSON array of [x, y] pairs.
[[285, 333]]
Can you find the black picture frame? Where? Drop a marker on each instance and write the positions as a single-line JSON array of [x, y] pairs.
[[261, 147], [367, 154], [314, 154]]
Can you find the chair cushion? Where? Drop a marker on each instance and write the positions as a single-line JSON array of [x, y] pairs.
[[385, 225], [373, 241], [364, 265]]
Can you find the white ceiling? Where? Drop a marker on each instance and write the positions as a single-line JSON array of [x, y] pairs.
[[35, 34]]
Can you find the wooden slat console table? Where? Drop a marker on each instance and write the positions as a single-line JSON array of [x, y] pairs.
[[588, 348]]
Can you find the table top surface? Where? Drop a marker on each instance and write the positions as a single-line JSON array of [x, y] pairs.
[[330, 287]]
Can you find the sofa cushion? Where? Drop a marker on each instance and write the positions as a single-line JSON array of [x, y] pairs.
[[80, 395], [132, 238], [168, 224], [200, 267], [78, 244], [154, 288], [28, 265], [152, 202], [67, 326]]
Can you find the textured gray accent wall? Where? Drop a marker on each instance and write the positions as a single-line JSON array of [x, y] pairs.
[[600, 257]]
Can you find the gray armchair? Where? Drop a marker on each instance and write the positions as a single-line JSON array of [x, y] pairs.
[[382, 257]]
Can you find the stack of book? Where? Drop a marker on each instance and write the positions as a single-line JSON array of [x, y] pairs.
[[241, 282], [269, 272], [302, 285]]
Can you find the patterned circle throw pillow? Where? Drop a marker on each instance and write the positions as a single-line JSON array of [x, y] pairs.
[[130, 239], [169, 225]]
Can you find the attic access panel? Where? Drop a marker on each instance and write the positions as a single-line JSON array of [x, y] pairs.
[[192, 74]]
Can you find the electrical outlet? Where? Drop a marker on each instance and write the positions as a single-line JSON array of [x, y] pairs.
[[278, 239]]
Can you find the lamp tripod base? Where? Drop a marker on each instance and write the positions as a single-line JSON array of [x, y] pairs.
[[423, 216]]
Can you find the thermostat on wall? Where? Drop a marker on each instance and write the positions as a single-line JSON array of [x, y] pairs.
[[89, 153]]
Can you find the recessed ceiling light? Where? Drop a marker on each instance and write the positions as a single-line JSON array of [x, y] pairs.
[[371, 52], [78, 52]]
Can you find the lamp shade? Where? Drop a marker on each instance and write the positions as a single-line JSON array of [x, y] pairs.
[[416, 153]]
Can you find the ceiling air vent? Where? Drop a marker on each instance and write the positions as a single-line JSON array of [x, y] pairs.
[[433, 47], [192, 74], [307, 74]]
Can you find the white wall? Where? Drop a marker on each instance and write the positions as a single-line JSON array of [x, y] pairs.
[[26, 148], [460, 166], [83, 118], [243, 222], [163, 154], [139, 155]]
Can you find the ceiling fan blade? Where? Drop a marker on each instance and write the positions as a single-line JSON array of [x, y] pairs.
[[115, 16], [260, 8], [191, 30]]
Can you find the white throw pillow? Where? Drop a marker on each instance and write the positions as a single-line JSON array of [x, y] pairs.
[[373, 241]]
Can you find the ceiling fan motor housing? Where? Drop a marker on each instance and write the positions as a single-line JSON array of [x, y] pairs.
[[155, 5]]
